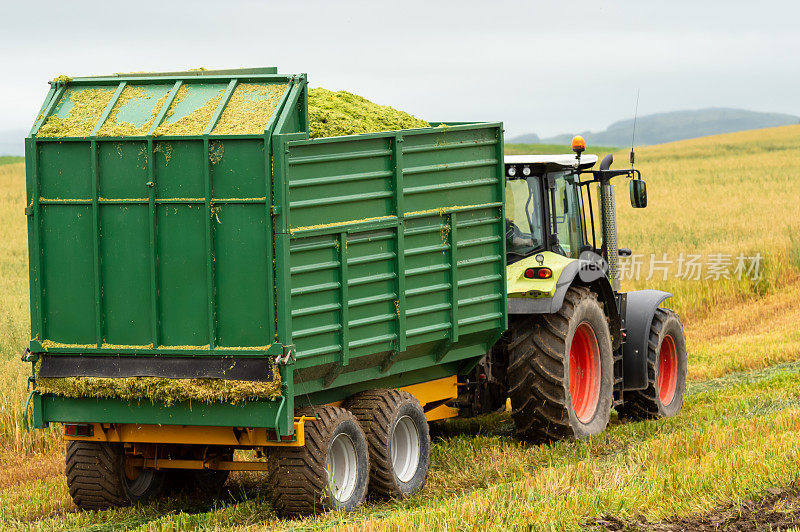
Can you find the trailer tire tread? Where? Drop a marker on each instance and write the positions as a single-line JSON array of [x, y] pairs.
[[297, 475], [376, 410], [92, 475]]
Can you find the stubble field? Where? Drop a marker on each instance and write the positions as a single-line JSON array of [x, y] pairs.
[[736, 442]]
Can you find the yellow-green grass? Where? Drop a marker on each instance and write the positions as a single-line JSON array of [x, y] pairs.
[[11, 159], [736, 436], [15, 318]]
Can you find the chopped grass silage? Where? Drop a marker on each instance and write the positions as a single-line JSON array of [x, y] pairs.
[[193, 123], [333, 114], [161, 391], [112, 127], [249, 109], [88, 105]]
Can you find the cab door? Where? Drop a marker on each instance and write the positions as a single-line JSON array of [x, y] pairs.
[[567, 215]]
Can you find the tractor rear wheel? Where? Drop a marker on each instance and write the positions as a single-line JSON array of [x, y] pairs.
[[330, 471], [99, 477], [561, 370], [398, 439], [666, 371]]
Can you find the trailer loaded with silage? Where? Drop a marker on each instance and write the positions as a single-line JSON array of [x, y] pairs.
[[205, 277]]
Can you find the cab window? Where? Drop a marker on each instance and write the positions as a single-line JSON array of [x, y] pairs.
[[568, 215], [524, 230]]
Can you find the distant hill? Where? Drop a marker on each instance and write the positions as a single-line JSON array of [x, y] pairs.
[[528, 138], [677, 125]]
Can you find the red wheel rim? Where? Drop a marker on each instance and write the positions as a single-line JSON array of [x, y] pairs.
[[667, 370], [584, 373]]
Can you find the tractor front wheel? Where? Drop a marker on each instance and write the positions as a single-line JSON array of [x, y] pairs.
[[666, 371], [561, 370]]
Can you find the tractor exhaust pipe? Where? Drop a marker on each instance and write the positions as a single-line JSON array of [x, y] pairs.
[[608, 213]]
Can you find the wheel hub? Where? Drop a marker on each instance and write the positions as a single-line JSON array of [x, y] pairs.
[[342, 468], [667, 370], [584, 373], [405, 449]]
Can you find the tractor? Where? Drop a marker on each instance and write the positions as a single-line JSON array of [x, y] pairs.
[[576, 345]]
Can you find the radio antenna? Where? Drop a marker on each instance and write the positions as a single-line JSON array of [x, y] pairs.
[[633, 131]]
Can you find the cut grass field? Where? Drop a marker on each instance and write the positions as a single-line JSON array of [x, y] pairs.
[[736, 440]]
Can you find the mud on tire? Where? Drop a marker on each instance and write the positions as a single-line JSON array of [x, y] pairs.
[[538, 348], [393, 418], [666, 357], [298, 477], [97, 479]]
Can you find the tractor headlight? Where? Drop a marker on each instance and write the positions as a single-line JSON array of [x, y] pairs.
[[512, 171], [526, 171]]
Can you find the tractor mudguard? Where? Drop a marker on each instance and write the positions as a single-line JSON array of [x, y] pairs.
[[640, 309]]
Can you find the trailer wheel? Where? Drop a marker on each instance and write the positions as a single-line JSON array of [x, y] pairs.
[[561, 370], [99, 478], [666, 371], [330, 472], [398, 439]]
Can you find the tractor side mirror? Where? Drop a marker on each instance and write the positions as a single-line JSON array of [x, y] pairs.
[[638, 194]]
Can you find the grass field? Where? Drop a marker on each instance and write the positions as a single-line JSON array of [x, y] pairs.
[[737, 439], [10, 159], [545, 149]]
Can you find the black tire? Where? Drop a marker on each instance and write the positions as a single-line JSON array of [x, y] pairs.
[[97, 479], [297, 476], [380, 413], [539, 370], [648, 403]]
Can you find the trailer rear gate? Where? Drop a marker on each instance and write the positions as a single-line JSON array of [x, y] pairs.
[[365, 261]]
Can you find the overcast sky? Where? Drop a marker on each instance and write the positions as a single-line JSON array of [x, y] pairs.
[[543, 67]]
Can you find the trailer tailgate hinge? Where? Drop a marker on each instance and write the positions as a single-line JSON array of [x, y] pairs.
[[28, 211], [27, 356], [286, 358]]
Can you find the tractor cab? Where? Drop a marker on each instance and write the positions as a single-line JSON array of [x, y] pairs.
[[545, 206]]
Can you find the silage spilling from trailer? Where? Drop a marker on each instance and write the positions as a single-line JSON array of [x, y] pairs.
[[160, 390]]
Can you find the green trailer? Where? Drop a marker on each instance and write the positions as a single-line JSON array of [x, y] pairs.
[[204, 277]]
